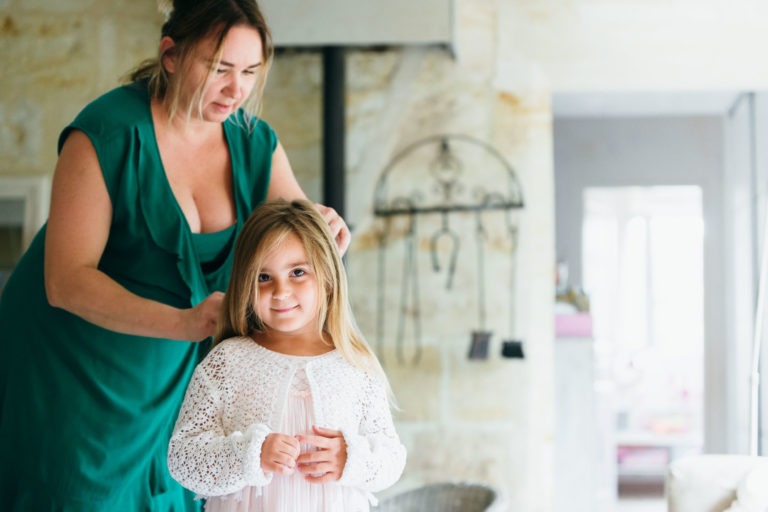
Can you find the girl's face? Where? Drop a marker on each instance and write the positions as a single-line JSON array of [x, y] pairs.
[[288, 290], [231, 81]]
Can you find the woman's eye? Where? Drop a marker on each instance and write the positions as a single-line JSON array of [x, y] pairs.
[[263, 278], [298, 272]]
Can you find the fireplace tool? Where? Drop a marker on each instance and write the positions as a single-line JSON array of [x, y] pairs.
[[512, 348], [478, 348]]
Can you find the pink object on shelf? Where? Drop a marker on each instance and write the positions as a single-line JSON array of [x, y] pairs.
[[573, 325]]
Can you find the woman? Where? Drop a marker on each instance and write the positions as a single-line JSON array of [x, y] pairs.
[[153, 183]]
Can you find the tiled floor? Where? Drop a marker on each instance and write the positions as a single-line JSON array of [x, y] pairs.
[[642, 497], [641, 505]]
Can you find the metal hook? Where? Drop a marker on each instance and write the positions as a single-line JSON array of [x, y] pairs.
[[481, 237], [382, 237], [409, 290], [445, 231], [511, 230]]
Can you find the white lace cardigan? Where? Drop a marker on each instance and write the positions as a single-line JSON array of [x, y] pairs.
[[240, 389]]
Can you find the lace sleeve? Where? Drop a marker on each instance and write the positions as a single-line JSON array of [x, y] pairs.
[[375, 456], [201, 456]]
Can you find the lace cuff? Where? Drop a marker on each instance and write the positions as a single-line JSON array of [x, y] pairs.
[[254, 475], [374, 462], [354, 469]]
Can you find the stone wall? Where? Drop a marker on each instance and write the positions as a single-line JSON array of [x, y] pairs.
[[57, 56], [487, 421]]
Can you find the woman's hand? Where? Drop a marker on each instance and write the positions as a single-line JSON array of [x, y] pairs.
[[279, 453], [199, 322], [339, 228], [326, 464]]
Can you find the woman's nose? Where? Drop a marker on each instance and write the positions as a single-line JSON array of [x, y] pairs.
[[232, 87]]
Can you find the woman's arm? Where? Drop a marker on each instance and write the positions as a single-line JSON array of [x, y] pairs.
[[282, 182], [283, 185], [78, 229]]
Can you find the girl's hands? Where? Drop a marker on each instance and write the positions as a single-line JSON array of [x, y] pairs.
[[326, 464], [339, 228], [279, 453]]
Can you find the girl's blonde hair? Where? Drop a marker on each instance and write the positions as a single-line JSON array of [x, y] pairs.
[[190, 22], [268, 225]]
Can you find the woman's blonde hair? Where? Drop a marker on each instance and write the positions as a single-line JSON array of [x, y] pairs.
[[190, 22], [268, 225]]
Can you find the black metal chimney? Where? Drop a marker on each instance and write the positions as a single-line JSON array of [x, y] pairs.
[[334, 133]]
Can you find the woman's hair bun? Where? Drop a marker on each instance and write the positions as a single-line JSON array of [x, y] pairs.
[[165, 7]]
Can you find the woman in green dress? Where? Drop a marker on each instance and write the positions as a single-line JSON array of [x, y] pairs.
[[102, 317]]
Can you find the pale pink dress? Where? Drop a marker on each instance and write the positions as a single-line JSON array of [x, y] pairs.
[[293, 493]]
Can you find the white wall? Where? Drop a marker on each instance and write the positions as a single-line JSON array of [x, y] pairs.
[[634, 45], [732, 357]]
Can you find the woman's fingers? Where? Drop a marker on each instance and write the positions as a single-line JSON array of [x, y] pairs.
[[339, 228]]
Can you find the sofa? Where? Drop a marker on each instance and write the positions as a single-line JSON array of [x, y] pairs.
[[718, 483]]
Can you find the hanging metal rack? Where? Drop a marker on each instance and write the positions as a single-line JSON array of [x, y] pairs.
[[448, 189]]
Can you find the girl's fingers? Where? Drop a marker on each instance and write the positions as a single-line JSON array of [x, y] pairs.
[[318, 478], [326, 432], [325, 438], [313, 457], [279, 454], [274, 467], [317, 441], [290, 450], [317, 468]]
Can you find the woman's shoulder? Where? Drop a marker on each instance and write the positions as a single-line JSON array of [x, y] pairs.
[[130, 101], [251, 130], [112, 113]]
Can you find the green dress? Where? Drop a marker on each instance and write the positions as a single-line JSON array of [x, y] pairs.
[[86, 413]]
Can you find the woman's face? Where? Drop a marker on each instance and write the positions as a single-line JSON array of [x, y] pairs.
[[231, 81]]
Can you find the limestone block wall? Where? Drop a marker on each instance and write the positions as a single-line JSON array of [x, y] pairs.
[[56, 57]]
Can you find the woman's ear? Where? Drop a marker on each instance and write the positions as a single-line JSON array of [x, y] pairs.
[[167, 54]]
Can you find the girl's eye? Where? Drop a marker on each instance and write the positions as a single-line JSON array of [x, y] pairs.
[[263, 278], [298, 272]]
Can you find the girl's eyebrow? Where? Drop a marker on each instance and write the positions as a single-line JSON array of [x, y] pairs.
[[265, 270]]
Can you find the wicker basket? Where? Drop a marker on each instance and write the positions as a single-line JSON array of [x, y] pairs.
[[443, 497]]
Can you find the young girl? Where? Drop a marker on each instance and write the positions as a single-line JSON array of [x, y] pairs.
[[290, 410]]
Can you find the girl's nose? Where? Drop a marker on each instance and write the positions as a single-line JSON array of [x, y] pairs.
[[281, 291]]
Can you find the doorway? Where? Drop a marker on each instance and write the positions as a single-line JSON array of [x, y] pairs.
[[23, 210], [643, 269]]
